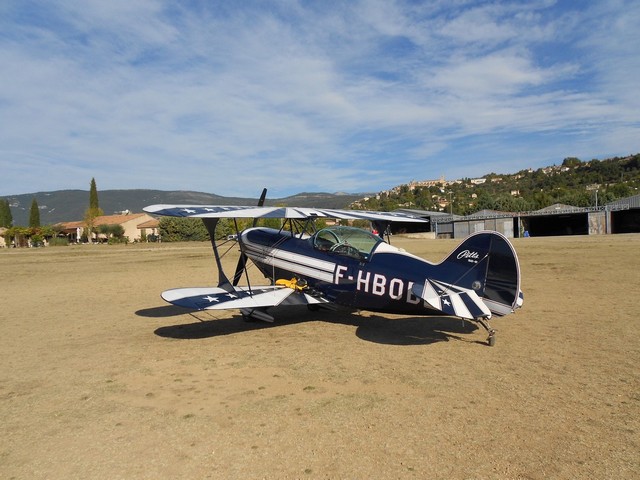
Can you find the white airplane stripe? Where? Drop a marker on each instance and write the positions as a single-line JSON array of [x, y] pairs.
[[262, 251], [520, 300], [494, 307], [498, 308], [267, 256], [475, 304], [305, 260], [309, 266], [305, 270], [459, 307], [430, 296], [457, 292], [450, 301]]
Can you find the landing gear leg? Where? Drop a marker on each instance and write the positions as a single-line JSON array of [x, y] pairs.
[[491, 339]]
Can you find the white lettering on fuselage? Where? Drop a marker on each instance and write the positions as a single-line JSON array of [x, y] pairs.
[[377, 284], [468, 255], [363, 281], [395, 288]]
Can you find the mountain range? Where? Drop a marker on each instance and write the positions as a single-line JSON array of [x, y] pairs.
[[70, 205], [572, 183]]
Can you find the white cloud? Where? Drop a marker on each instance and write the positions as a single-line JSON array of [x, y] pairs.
[[361, 96]]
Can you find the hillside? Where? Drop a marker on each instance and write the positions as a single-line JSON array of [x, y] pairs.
[[70, 205], [574, 182]]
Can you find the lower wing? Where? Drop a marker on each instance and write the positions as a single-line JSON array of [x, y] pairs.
[[213, 298]]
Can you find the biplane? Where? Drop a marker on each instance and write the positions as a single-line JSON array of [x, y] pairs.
[[350, 267]]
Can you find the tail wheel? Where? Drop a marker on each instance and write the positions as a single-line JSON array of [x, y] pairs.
[[491, 339]]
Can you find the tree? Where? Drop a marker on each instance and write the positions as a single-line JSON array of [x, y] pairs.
[[105, 230], [113, 233], [93, 211], [18, 235], [34, 214], [117, 231], [174, 229], [93, 196], [6, 219], [571, 162]]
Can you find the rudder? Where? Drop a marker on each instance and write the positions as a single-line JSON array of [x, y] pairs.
[[486, 263]]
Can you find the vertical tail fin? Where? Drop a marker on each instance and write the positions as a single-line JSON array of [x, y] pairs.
[[487, 264]]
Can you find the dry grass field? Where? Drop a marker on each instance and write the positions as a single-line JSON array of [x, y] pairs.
[[100, 379]]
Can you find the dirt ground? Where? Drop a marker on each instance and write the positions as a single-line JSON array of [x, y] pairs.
[[101, 379]]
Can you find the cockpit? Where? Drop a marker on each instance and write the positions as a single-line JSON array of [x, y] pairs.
[[347, 241]]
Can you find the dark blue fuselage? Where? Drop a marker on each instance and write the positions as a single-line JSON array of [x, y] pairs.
[[354, 268], [378, 281]]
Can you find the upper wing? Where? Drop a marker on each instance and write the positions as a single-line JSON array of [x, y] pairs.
[[213, 298], [219, 211]]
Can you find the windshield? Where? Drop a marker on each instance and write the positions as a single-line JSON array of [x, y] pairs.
[[350, 241]]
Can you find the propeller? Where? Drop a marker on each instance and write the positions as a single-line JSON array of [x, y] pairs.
[[242, 261]]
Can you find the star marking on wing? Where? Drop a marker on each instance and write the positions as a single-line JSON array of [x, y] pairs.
[[189, 210], [446, 302], [211, 299]]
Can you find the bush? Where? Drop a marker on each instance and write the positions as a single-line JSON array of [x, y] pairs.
[[118, 240], [175, 229], [59, 242]]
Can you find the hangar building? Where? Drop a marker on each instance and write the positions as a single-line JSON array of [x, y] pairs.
[[622, 216]]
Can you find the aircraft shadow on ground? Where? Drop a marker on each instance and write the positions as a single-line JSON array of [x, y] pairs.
[[372, 328]]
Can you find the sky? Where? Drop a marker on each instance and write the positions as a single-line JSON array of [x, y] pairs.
[[228, 97]]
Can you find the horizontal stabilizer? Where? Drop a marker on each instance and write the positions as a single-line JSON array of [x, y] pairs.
[[452, 300], [212, 298]]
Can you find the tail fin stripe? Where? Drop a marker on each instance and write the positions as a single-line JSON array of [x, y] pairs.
[[474, 310], [459, 307], [452, 300], [430, 295]]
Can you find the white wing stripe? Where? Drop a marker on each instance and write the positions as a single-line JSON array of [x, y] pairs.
[[267, 299], [215, 298], [224, 211]]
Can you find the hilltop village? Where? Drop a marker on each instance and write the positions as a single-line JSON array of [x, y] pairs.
[[574, 182]]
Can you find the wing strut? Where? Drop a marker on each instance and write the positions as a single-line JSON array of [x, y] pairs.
[[223, 281]]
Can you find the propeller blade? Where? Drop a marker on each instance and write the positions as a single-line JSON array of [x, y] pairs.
[[242, 261]]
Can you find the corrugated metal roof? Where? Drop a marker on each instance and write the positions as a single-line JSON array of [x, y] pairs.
[[421, 213], [557, 207], [630, 202], [490, 214]]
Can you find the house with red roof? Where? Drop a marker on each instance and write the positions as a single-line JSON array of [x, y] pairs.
[[137, 226]]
